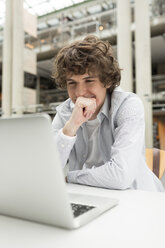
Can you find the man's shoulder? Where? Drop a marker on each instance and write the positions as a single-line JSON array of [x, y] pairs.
[[64, 110], [120, 93], [120, 98], [66, 106]]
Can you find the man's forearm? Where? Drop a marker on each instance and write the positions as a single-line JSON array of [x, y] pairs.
[[69, 129]]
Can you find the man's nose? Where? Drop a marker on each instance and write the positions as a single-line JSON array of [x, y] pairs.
[[80, 90]]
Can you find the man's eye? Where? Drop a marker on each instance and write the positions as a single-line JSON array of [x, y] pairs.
[[89, 81], [71, 83]]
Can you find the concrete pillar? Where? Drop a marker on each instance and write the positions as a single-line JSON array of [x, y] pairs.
[[143, 63], [124, 43], [7, 61], [18, 50]]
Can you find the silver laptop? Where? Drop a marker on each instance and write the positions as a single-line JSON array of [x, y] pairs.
[[32, 184]]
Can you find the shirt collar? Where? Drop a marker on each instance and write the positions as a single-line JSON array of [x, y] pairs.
[[104, 111]]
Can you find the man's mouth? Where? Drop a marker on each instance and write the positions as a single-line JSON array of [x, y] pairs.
[[75, 99], [89, 96]]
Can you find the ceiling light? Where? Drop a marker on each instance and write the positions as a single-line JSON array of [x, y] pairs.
[[29, 45], [101, 27]]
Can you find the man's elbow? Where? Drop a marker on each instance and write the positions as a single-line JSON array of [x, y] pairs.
[[123, 182]]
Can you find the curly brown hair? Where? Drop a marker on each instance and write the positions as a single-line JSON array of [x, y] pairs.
[[90, 55]]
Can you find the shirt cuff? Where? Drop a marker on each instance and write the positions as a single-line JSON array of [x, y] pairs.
[[66, 137], [72, 176], [64, 144], [65, 141]]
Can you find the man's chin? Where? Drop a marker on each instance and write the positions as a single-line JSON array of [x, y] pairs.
[[94, 116]]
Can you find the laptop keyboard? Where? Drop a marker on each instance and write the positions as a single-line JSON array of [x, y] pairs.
[[79, 209]]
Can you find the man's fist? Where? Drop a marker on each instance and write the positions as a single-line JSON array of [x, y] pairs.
[[83, 111]]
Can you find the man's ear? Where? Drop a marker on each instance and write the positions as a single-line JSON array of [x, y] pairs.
[[108, 86]]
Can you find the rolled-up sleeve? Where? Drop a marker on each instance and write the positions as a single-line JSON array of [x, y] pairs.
[[121, 170], [64, 143]]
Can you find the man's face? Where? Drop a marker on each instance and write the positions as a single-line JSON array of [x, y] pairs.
[[88, 86]]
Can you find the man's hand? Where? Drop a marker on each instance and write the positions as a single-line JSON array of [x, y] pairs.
[[82, 112]]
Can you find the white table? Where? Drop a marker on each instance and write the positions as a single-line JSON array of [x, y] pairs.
[[138, 221]]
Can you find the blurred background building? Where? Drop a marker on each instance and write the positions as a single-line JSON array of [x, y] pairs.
[[135, 29]]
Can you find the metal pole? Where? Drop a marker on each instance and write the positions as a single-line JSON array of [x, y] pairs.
[[38, 90]]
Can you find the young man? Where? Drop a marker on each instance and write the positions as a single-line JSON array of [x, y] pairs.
[[100, 129]]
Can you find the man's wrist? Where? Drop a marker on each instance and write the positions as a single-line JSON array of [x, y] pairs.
[[69, 129]]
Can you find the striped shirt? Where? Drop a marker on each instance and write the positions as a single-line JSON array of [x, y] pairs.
[[121, 141]]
